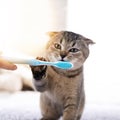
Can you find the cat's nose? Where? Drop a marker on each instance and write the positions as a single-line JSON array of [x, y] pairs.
[[63, 54]]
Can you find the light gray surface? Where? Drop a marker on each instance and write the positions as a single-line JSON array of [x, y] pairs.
[[25, 106]]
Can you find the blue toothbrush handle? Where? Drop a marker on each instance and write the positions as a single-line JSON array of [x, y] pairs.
[[35, 62], [58, 64]]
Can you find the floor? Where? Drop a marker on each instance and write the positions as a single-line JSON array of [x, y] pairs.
[[25, 106]]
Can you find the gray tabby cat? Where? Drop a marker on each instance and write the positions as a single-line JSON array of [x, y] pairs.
[[62, 91]]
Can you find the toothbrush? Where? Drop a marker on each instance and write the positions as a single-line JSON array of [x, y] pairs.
[[35, 62]]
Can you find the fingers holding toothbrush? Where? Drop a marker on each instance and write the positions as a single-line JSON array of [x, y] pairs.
[[7, 65]]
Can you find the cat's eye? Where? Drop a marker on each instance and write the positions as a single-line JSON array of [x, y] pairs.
[[74, 50], [57, 46]]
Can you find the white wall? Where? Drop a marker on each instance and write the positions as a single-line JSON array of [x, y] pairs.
[[24, 22], [100, 21]]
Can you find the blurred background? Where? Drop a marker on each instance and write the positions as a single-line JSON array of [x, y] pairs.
[[23, 24], [99, 20]]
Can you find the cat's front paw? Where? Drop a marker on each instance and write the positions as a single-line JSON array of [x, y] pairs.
[[39, 71]]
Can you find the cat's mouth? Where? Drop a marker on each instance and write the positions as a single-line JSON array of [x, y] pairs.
[[62, 60]]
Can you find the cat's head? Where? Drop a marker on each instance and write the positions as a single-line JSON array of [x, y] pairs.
[[68, 46]]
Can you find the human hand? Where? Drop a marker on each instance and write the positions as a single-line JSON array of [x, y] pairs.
[[7, 65]]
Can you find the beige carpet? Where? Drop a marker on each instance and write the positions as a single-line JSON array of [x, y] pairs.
[[25, 106]]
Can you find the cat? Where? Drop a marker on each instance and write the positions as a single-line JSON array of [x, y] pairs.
[[62, 91]]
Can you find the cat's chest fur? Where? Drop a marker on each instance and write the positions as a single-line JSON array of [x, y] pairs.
[[61, 86]]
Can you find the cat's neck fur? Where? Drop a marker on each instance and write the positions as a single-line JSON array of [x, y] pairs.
[[69, 73]]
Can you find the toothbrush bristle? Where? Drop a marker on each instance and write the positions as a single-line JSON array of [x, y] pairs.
[[64, 65]]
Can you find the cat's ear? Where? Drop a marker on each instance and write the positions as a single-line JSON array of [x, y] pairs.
[[89, 41], [52, 34]]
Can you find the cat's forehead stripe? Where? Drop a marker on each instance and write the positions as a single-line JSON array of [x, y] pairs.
[[73, 44], [61, 40], [70, 36]]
